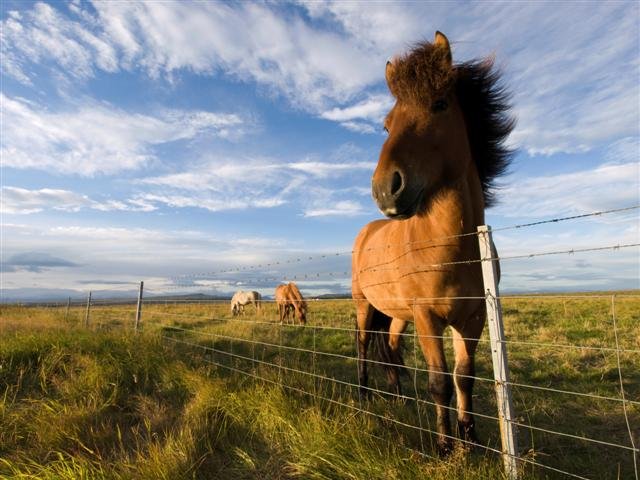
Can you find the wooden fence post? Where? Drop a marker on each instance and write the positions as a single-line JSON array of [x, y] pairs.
[[508, 432], [139, 308], [86, 316], [66, 313]]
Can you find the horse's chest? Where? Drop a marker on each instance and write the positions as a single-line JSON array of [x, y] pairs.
[[419, 275]]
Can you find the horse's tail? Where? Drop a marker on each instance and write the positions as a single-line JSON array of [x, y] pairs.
[[381, 349]]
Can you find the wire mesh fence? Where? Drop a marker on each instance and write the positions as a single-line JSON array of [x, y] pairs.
[[574, 362]]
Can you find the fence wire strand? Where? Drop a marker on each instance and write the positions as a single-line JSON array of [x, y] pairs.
[[370, 413], [280, 346], [302, 258]]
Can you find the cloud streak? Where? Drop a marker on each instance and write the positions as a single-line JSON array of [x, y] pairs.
[[97, 138], [573, 89], [21, 201], [607, 186]]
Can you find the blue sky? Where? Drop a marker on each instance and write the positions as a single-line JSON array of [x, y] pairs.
[[155, 140]]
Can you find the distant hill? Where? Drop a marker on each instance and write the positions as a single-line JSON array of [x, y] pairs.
[[330, 296], [188, 296]]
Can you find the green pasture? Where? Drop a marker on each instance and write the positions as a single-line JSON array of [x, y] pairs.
[[198, 394]]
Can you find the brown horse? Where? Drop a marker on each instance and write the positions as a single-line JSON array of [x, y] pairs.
[[289, 299], [445, 147]]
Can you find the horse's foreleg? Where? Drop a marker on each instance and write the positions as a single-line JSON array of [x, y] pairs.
[[429, 329], [396, 329], [465, 342]]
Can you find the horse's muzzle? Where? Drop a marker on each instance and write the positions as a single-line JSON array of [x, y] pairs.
[[395, 198]]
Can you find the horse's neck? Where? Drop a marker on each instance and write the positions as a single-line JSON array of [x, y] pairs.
[[457, 209]]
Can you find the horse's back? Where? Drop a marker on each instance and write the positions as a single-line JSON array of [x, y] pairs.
[[281, 293]]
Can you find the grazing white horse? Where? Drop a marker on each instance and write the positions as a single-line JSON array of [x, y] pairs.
[[242, 298]]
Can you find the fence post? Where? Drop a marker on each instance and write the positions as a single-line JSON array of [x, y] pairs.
[[86, 316], [66, 313], [139, 308], [508, 432]]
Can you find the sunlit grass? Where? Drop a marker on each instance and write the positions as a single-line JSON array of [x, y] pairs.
[[101, 402]]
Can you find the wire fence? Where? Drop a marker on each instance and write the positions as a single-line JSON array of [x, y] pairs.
[[573, 360], [576, 403]]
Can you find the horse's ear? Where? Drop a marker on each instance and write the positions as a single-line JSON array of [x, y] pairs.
[[443, 42], [388, 72]]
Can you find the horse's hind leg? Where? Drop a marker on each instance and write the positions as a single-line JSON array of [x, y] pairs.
[[465, 342], [396, 329], [429, 329], [364, 317]]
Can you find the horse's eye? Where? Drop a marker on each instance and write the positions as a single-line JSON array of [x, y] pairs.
[[385, 129], [439, 105]]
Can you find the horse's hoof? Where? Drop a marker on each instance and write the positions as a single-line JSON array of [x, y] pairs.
[[444, 447], [364, 394], [467, 433]]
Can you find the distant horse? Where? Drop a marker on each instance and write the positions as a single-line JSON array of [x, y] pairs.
[[241, 298], [434, 178], [290, 300]]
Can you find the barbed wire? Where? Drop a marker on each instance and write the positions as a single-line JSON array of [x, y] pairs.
[[499, 258], [414, 269], [302, 258], [564, 219]]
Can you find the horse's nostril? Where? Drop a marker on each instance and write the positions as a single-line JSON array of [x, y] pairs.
[[396, 183]]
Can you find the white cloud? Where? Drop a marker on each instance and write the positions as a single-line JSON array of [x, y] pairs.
[[97, 138], [346, 208], [606, 187], [373, 109], [359, 127], [212, 204], [311, 66], [23, 201], [573, 87], [363, 117], [43, 34], [219, 184], [326, 169]]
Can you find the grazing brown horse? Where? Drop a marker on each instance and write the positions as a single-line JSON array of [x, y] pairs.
[[289, 299], [445, 147], [282, 302]]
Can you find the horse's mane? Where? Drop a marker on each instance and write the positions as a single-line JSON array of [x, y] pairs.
[[425, 75], [297, 297]]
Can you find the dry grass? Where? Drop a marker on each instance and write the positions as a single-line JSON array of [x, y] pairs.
[[104, 403]]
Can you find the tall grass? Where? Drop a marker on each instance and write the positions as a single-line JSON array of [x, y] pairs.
[[104, 403]]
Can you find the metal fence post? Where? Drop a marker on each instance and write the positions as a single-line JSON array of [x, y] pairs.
[[86, 316], [66, 313], [139, 308], [508, 432]]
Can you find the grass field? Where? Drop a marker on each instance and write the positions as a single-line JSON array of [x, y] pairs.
[[102, 402]]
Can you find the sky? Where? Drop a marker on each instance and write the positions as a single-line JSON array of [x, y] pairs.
[[206, 147]]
